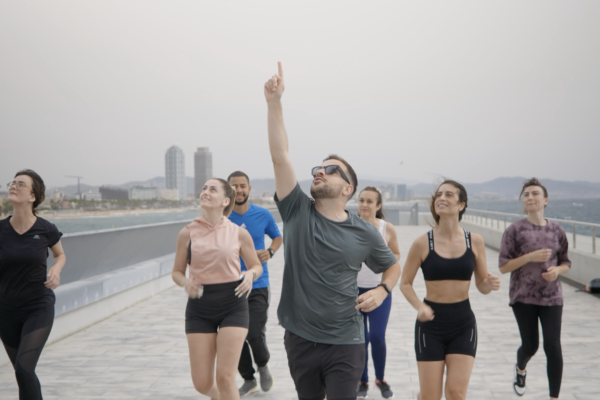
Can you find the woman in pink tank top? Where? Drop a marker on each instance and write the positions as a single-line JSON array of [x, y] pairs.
[[216, 316]]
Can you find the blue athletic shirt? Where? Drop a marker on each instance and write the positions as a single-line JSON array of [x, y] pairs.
[[259, 222]]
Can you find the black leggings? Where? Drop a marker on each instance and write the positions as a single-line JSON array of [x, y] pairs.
[[258, 307], [24, 334], [527, 316]]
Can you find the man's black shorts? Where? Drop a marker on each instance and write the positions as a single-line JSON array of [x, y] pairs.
[[324, 369]]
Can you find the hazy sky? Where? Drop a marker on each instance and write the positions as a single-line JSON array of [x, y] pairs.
[[470, 90]]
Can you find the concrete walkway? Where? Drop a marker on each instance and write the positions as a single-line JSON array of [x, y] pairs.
[[142, 353]]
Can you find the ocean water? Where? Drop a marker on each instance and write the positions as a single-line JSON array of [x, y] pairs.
[[84, 224], [586, 210], [583, 210]]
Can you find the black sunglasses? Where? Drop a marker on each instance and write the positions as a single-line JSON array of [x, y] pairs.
[[329, 170]]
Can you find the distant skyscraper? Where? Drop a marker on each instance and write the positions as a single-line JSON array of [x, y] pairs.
[[401, 192], [202, 169], [175, 171]]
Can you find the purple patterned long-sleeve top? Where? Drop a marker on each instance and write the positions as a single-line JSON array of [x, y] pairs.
[[527, 285]]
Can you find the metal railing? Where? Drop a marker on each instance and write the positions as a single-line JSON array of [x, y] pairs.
[[491, 218], [396, 214]]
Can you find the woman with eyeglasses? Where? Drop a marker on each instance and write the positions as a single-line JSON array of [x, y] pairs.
[[535, 251], [370, 208], [26, 296], [446, 330], [216, 316]]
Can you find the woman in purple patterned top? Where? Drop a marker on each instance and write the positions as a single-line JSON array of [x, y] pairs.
[[535, 250]]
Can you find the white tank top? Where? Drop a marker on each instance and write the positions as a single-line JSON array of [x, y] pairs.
[[368, 279]]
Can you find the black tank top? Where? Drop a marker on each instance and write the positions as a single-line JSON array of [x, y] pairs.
[[436, 268]]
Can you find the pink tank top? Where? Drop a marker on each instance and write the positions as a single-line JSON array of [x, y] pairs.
[[215, 251]]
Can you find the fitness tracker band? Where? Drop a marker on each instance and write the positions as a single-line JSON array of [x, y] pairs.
[[387, 289]]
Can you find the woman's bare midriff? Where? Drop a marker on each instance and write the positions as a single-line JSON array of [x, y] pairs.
[[447, 291]]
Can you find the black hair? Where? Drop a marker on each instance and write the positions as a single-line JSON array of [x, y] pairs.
[[352, 177], [379, 213], [38, 187], [236, 174], [533, 182], [462, 198]]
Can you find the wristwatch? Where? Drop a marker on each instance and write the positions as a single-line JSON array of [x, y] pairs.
[[271, 252], [387, 289]]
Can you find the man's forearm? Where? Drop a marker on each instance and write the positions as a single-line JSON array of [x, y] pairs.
[[276, 243], [278, 142], [391, 275]]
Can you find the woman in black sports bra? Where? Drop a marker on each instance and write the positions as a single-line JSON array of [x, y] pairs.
[[446, 330]]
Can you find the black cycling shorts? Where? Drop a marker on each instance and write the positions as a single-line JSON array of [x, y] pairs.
[[218, 307], [453, 330]]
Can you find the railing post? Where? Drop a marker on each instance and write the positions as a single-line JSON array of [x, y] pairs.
[[574, 237], [594, 240], [505, 222], [497, 221]]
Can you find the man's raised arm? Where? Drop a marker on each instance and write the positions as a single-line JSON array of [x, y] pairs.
[[285, 176]]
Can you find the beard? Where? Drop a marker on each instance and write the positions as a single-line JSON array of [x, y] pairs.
[[325, 191], [241, 203]]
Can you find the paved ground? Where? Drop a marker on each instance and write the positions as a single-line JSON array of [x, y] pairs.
[[141, 353]]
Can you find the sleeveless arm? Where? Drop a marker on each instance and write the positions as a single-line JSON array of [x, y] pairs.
[[484, 281], [411, 267], [393, 241], [181, 257]]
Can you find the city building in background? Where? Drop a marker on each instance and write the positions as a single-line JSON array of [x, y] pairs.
[[96, 196], [388, 192], [175, 171], [401, 192], [113, 193], [202, 169], [144, 193], [170, 194], [395, 192]]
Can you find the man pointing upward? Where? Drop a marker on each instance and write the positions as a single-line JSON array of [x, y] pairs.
[[324, 247]]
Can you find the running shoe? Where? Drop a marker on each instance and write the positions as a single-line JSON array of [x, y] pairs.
[[361, 392], [519, 384], [248, 387], [266, 379], [386, 392]]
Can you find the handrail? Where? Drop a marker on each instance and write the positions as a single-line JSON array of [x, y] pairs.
[[564, 221], [124, 228], [497, 214]]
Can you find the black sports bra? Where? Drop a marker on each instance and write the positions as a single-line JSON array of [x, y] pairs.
[[436, 268]]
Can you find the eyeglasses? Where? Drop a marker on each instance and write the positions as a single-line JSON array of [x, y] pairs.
[[329, 170], [19, 185]]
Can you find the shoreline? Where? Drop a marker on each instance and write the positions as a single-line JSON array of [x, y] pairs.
[[109, 213]]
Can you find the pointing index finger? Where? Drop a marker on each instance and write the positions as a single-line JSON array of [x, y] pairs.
[[280, 68]]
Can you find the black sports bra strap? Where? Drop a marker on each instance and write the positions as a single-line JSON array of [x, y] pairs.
[[430, 235], [190, 252], [468, 238]]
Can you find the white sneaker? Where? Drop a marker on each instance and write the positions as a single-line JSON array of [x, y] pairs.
[[519, 383]]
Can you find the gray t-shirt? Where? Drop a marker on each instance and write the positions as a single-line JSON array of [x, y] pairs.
[[322, 260]]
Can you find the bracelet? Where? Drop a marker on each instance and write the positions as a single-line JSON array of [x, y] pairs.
[[387, 289]]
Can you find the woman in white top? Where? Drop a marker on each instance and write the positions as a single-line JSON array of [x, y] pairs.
[[370, 208]]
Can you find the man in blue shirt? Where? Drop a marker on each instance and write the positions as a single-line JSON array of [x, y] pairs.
[[259, 222]]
